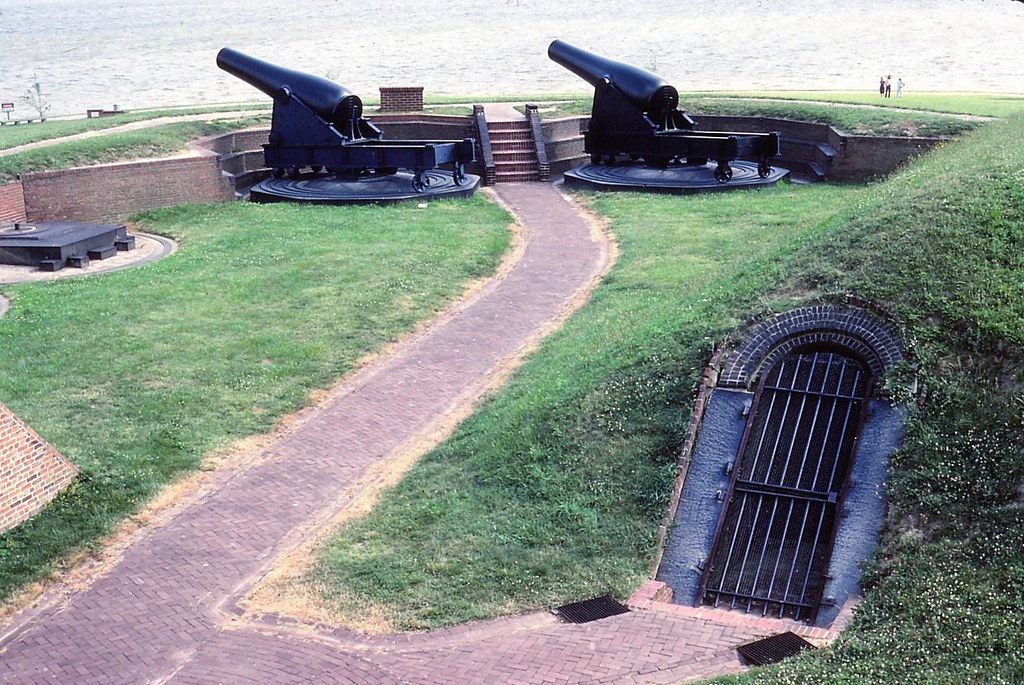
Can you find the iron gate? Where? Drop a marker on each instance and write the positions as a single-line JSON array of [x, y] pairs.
[[774, 540]]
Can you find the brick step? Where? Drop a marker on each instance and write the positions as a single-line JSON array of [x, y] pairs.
[[517, 167], [517, 140], [512, 145], [516, 177], [505, 156], [523, 125]]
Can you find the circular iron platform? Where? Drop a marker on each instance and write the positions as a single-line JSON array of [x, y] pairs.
[[676, 179], [329, 190]]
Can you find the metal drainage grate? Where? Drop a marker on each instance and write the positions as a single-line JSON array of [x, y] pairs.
[[590, 610], [773, 649]]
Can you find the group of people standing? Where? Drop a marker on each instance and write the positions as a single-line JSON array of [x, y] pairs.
[[885, 86]]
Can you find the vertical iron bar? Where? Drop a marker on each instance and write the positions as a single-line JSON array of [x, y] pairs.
[[828, 431], [842, 434], [814, 551], [796, 552], [782, 421], [764, 548], [799, 418], [764, 430], [746, 551], [814, 425], [732, 544], [778, 557]]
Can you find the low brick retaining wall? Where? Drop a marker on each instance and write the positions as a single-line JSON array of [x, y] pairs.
[[112, 192], [835, 155]]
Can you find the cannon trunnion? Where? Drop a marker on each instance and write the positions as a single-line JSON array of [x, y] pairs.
[[636, 114], [318, 125]]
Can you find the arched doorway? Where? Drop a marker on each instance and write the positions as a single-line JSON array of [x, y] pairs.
[[773, 541]]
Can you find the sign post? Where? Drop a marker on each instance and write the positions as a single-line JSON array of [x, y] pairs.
[[7, 107]]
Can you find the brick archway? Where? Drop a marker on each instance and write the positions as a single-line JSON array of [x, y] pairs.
[[857, 331]]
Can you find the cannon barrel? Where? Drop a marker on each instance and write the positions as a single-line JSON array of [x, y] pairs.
[[648, 92], [332, 102]]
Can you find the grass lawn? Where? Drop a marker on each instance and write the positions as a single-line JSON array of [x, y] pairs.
[[13, 136], [553, 491], [979, 104], [159, 141], [136, 375]]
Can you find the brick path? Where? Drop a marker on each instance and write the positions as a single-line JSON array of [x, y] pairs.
[[165, 612]]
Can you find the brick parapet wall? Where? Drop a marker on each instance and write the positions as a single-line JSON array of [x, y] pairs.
[[31, 471], [857, 158], [112, 192], [12, 202], [401, 98], [234, 142]]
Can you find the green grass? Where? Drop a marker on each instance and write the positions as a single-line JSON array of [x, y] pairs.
[[13, 136], [136, 375], [850, 119], [942, 245], [117, 147], [978, 104], [553, 491]]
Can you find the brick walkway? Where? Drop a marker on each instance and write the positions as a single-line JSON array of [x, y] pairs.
[[165, 612]]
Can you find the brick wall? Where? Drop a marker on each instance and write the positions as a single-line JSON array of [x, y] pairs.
[[401, 98], [856, 329], [857, 158], [31, 471], [12, 202], [112, 192], [866, 157]]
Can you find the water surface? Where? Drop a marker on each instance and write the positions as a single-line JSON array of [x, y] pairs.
[[144, 53]]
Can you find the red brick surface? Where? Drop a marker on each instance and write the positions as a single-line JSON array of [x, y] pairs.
[[401, 98], [12, 202], [31, 472], [112, 192], [167, 611]]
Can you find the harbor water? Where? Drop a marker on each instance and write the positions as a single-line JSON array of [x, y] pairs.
[[150, 53]]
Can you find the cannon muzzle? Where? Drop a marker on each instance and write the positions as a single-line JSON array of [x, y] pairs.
[[330, 101], [648, 92]]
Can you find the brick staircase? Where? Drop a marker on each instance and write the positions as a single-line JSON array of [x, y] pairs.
[[515, 155]]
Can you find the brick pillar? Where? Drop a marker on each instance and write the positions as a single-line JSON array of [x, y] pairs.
[[401, 98], [12, 202]]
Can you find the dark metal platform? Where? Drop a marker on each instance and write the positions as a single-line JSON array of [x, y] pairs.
[[53, 245], [677, 179], [383, 189]]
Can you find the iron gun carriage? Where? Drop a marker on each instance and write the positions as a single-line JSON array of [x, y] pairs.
[[636, 113], [319, 125]]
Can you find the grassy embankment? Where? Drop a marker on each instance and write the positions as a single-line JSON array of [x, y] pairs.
[[13, 136], [553, 491], [137, 375], [159, 141], [849, 117]]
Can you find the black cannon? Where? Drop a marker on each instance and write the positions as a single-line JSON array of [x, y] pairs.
[[319, 125], [636, 113]]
